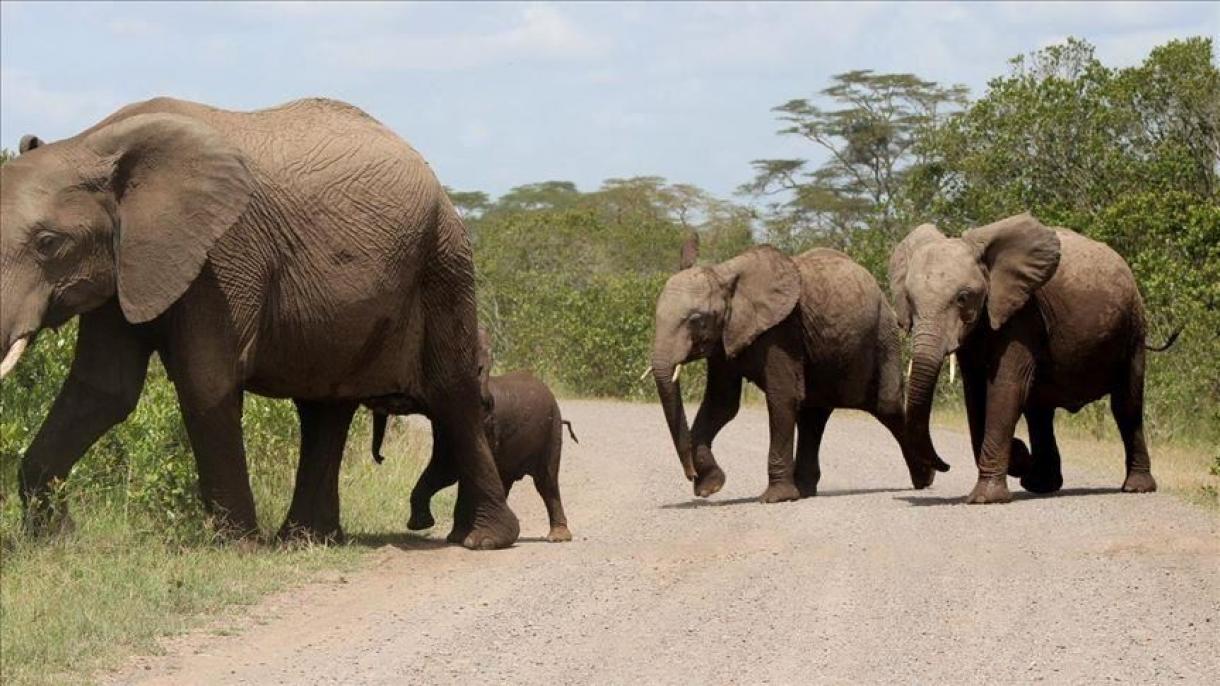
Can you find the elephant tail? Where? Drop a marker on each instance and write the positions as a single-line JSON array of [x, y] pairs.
[[1173, 337], [570, 433], [379, 422]]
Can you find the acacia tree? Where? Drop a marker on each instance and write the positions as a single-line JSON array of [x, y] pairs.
[[867, 133]]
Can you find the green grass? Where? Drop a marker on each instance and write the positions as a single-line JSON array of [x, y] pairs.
[[83, 601]]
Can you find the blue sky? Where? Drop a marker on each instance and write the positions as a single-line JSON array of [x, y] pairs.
[[497, 95]]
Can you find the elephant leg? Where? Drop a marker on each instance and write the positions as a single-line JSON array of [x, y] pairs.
[[314, 512], [1044, 474], [463, 515], [102, 389], [210, 395], [974, 392], [1006, 393], [808, 469], [439, 474], [1127, 406], [721, 401], [782, 414], [216, 437], [546, 482]]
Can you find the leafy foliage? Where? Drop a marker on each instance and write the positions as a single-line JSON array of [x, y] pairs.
[[855, 200], [568, 279]]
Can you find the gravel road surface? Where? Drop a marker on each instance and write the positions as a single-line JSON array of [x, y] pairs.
[[869, 582]]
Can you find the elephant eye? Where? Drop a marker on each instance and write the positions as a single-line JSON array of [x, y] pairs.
[[963, 297], [48, 243]]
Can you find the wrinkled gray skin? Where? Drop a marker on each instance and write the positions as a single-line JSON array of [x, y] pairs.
[[813, 332], [303, 251], [1040, 318]]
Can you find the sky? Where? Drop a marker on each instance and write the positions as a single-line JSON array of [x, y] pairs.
[[503, 94]]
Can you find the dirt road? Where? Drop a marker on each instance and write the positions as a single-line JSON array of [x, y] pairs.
[[869, 582]]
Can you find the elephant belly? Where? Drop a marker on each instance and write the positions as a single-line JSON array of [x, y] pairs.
[[353, 357], [1076, 381]]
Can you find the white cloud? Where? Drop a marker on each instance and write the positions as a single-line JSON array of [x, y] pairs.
[[541, 33]]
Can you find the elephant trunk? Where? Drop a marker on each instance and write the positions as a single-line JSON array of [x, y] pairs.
[[21, 318], [670, 392], [927, 357]]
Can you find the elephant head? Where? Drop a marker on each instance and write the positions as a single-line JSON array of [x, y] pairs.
[[943, 287], [719, 308], [129, 208]]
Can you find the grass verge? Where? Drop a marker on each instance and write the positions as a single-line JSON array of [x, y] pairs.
[[83, 601]]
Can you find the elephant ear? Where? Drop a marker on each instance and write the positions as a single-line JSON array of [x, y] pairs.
[[764, 287], [28, 142], [178, 187], [1020, 255], [900, 262]]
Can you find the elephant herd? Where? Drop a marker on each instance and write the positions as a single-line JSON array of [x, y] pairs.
[[307, 252]]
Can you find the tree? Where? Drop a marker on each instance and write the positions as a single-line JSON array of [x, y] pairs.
[[869, 134]]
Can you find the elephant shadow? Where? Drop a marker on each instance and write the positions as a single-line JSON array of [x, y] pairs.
[[700, 502], [402, 541], [934, 501]]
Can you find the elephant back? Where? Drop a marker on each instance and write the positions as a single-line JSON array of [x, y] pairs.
[[840, 305]]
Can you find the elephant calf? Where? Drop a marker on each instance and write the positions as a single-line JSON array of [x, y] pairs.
[[525, 431]]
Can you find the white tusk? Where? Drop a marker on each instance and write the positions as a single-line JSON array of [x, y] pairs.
[[910, 363], [952, 367], [645, 374], [677, 371], [13, 354]]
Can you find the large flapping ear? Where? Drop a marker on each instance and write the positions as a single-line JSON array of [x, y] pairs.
[[690, 251], [899, 263], [28, 142], [764, 287], [1020, 255], [178, 186]]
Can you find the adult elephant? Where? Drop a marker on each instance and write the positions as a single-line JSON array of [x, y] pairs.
[[1040, 318], [813, 332], [303, 251]]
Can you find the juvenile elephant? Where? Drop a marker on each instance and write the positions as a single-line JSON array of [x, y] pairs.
[[303, 251], [1040, 318], [813, 332], [525, 430]]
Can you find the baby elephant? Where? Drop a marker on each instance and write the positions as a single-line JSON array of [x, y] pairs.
[[524, 430]]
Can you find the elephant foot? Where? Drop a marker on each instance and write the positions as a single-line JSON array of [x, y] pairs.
[[457, 535], [921, 477], [994, 490], [1139, 482], [807, 488], [497, 527], [1020, 462], [420, 520], [780, 492], [709, 482], [1042, 481], [296, 532], [559, 534]]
